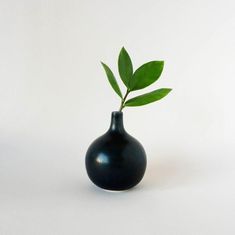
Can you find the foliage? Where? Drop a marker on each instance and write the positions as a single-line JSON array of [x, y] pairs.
[[141, 78]]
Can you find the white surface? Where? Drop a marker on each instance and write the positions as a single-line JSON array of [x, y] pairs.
[[55, 99]]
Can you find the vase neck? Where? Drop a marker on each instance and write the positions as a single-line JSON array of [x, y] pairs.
[[117, 122]]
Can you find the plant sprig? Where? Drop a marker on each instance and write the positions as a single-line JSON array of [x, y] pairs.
[[144, 76]]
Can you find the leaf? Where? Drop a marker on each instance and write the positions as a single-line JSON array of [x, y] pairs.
[[148, 97], [125, 67], [112, 79], [146, 74]]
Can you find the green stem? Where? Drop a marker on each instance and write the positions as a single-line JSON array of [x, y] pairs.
[[123, 100]]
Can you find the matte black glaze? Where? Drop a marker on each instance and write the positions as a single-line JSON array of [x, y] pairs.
[[116, 160]]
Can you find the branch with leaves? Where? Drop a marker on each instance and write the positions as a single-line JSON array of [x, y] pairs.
[[144, 76]]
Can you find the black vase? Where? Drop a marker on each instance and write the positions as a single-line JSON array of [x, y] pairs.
[[116, 160]]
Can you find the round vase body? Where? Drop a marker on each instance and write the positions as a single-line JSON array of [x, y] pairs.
[[116, 160]]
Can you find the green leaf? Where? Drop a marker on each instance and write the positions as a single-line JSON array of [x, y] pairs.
[[148, 97], [125, 67], [112, 79], [146, 74]]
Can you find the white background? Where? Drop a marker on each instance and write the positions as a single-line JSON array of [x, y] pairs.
[[55, 100]]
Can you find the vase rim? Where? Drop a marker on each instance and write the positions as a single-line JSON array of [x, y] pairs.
[[117, 112]]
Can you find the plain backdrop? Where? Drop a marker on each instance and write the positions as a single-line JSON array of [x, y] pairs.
[[55, 100]]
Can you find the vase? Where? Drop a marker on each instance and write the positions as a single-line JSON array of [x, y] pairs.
[[116, 160]]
